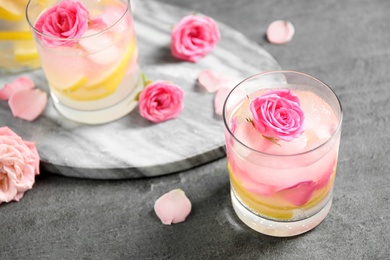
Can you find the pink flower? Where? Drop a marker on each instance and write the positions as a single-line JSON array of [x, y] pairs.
[[66, 20], [173, 207], [19, 163], [161, 101], [277, 114], [194, 37]]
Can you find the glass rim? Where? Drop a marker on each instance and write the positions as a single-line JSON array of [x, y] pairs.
[[128, 9], [281, 72]]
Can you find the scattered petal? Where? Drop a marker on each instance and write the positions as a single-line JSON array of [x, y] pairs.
[[213, 81], [28, 104], [280, 32], [172, 207], [300, 193], [20, 83]]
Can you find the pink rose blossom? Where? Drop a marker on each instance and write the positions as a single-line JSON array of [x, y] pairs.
[[19, 163], [277, 114], [173, 207], [194, 37], [161, 101], [66, 20]]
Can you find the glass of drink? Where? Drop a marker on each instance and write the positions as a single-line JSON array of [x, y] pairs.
[[282, 131], [89, 55], [17, 49]]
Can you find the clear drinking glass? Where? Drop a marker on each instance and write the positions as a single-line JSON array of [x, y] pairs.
[[17, 49], [94, 78], [282, 188]]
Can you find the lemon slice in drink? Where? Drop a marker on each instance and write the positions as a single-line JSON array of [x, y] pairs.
[[67, 85], [12, 10], [107, 84]]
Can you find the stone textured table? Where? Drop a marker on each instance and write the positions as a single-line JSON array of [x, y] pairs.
[[132, 147], [345, 44]]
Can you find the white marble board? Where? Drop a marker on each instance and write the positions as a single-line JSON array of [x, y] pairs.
[[132, 147]]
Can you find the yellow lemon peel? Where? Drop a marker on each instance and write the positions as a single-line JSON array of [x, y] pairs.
[[105, 87]]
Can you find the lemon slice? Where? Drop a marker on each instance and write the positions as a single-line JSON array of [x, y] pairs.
[[25, 51], [67, 85], [108, 84], [14, 36], [12, 10]]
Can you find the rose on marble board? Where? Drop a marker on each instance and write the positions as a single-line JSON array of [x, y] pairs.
[[19, 164], [193, 37], [66, 20], [161, 101]]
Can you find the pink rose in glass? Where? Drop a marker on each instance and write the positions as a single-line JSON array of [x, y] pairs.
[[277, 114], [194, 37], [161, 101], [64, 21], [19, 163]]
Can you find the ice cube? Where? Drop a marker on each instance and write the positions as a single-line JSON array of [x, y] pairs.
[[113, 15], [295, 146], [64, 67], [100, 47]]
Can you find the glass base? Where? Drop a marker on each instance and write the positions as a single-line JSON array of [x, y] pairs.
[[102, 115], [278, 228]]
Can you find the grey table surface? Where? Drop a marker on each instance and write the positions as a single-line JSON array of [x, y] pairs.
[[344, 43]]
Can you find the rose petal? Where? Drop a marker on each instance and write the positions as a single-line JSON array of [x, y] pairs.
[[20, 83], [213, 81], [300, 193], [280, 32], [172, 207], [28, 104]]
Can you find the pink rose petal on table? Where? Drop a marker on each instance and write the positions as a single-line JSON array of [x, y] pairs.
[[280, 32], [172, 207], [20, 83], [28, 104], [213, 81]]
